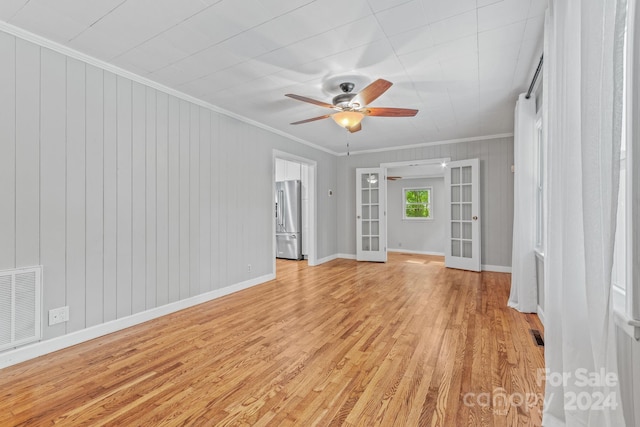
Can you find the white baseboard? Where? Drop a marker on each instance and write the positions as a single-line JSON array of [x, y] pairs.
[[325, 259], [496, 268], [346, 256], [408, 251], [21, 354], [541, 315]]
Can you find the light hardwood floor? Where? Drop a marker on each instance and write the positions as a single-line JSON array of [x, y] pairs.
[[406, 343]]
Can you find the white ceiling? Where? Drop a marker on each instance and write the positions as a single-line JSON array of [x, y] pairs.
[[462, 63]]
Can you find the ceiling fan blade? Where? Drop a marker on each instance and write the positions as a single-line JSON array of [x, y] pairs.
[[393, 178], [355, 128], [311, 120], [389, 112], [309, 100], [374, 90]]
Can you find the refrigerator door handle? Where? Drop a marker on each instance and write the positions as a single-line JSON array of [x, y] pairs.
[[279, 212], [282, 207]]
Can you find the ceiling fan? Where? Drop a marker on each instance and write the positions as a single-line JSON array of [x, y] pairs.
[[351, 107]]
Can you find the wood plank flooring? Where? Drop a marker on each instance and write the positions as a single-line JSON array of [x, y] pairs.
[[406, 343]]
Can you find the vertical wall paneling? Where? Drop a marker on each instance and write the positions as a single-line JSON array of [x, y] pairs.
[[216, 256], [110, 189], [204, 181], [224, 170], [228, 183], [194, 200], [139, 176], [8, 152], [76, 194], [151, 209], [53, 191], [95, 196], [129, 197], [185, 195], [27, 159], [174, 199], [246, 196], [124, 200], [162, 199], [234, 217]]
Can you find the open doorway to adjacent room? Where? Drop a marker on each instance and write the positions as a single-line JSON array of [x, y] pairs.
[[416, 215], [294, 208]]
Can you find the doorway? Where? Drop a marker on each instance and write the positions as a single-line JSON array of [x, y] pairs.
[[289, 167], [460, 209]]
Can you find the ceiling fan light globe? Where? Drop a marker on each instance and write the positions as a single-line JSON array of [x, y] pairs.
[[347, 119]]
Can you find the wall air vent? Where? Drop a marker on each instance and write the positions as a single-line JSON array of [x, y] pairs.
[[20, 306]]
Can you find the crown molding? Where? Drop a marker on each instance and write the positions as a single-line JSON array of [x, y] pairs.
[[428, 144], [72, 53]]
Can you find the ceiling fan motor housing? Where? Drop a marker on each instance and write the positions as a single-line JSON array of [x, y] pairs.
[[346, 87], [344, 99]]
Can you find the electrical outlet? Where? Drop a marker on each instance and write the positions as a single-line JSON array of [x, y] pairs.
[[249, 268], [58, 315]]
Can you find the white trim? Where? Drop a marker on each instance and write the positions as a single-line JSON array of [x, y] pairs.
[[326, 259], [422, 162], [72, 53], [407, 251], [541, 315], [427, 144], [346, 256], [496, 268], [31, 351]]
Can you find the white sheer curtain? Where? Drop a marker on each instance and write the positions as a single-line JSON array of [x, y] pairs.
[[583, 80], [524, 288]]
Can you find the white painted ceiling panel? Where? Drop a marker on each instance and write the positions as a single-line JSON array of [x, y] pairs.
[[502, 13], [455, 28], [404, 17], [461, 63], [8, 8], [437, 10]]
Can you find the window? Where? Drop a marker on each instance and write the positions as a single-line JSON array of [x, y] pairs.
[[417, 203]]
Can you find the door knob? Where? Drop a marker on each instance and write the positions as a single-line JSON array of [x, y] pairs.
[[358, 217], [475, 217]]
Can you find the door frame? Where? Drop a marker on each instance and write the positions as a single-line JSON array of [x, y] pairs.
[[312, 259], [422, 162]]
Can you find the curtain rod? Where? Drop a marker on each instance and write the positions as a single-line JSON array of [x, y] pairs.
[[535, 77]]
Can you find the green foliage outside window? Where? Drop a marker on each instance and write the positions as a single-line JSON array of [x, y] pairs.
[[417, 203]]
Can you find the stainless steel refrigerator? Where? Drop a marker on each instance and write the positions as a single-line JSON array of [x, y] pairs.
[[289, 219]]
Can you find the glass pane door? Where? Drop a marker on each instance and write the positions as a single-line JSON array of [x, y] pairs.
[[463, 234], [370, 215]]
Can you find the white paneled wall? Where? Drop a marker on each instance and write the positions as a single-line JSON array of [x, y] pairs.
[[129, 197]]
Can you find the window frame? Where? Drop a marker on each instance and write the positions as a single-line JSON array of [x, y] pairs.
[[429, 203]]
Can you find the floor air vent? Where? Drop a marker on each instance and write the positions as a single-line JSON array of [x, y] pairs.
[[20, 311], [537, 337]]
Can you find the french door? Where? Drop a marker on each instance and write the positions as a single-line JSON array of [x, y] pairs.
[[371, 224], [462, 184]]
